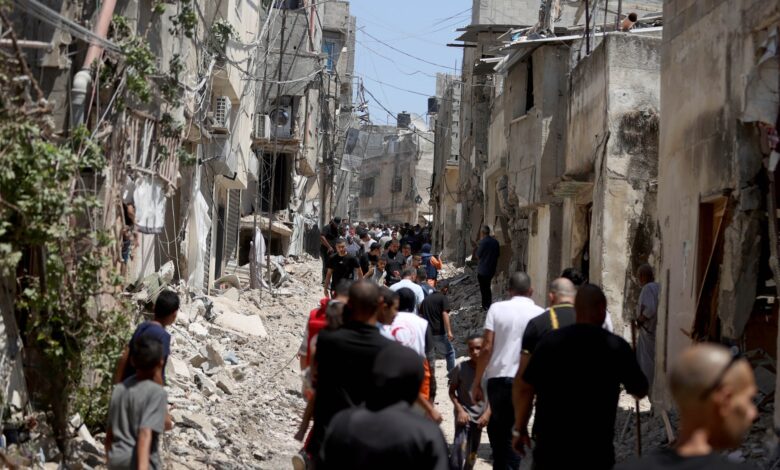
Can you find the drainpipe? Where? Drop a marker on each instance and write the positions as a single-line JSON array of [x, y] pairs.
[[629, 22], [83, 78]]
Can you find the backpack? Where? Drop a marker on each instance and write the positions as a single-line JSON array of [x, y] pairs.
[[432, 266]]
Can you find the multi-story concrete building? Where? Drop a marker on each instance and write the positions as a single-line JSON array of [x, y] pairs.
[[717, 193], [395, 174], [444, 187]]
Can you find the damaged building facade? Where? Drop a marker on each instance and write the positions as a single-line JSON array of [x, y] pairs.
[[570, 141], [395, 172], [717, 196], [445, 120]]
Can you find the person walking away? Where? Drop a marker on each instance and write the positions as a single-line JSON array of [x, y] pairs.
[[408, 278], [435, 309], [343, 362], [413, 332], [137, 411], [470, 417], [431, 264], [560, 315], [328, 237], [714, 392], [576, 373], [486, 252], [386, 433], [422, 281], [647, 320], [318, 320], [578, 279], [341, 266], [498, 362]]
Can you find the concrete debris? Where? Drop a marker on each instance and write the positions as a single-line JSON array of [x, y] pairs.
[[232, 378], [250, 325]]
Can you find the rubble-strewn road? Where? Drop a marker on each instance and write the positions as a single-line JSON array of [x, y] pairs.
[[236, 395], [235, 386]]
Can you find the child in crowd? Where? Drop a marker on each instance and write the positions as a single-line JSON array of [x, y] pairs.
[[470, 417], [138, 409], [377, 273], [165, 309]]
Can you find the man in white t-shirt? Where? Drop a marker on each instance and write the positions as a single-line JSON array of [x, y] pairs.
[[498, 363], [409, 281]]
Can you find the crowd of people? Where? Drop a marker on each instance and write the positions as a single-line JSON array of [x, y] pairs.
[[368, 353]]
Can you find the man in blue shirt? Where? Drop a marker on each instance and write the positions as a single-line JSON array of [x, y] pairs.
[[486, 252]]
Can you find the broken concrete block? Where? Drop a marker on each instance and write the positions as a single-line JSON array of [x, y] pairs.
[[196, 421], [250, 325], [214, 353], [177, 367], [232, 294], [206, 385], [239, 373], [198, 330], [225, 383], [198, 360]]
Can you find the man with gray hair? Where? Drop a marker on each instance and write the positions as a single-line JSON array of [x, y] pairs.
[[714, 392], [498, 363]]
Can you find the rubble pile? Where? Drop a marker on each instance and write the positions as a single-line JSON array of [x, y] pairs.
[[233, 377]]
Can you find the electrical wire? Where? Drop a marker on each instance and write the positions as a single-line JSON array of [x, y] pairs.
[[404, 52], [56, 20]]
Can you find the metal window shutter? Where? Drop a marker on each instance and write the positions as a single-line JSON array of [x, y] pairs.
[[232, 224]]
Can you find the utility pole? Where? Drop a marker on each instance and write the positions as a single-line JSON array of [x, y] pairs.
[[275, 154]]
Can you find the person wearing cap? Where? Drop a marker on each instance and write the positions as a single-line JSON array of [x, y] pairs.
[[328, 237], [386, 433]]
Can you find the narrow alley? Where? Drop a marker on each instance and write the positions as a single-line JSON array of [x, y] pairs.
[[361, 234]]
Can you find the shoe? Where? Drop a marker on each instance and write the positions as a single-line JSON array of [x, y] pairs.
[[299, 461]]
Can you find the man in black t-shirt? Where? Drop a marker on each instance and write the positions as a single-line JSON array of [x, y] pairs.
[[328, 237], [576, 373], [559, 315], [341, 266], [344, 361], [436, 309], [395, 263], [387, 433], [714, 392]]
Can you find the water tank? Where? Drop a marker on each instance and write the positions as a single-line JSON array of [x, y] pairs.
[[433, 105], [404, 119]]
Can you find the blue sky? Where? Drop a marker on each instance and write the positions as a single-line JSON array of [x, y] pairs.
[[421, 28]]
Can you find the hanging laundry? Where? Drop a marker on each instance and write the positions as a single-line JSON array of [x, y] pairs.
[[149, 198]]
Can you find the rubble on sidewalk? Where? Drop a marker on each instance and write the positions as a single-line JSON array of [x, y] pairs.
[[233, 376]]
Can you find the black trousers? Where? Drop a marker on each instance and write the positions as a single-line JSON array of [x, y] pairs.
[[484, 289], [502, 419]]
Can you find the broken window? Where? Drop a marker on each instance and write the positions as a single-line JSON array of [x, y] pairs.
[[280, 174], [529, 85]]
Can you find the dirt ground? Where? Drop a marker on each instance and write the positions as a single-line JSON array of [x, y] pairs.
[[236, 389]]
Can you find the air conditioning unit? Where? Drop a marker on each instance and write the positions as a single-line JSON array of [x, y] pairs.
[[222, 107], [281, 122], [262, 127], [220, 156]]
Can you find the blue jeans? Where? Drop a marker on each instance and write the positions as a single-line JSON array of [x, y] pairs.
[[442, 345], [502, 419]]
